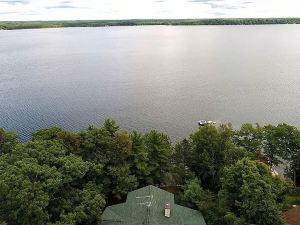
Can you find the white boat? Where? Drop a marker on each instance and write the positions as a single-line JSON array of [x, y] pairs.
[[205, 122]]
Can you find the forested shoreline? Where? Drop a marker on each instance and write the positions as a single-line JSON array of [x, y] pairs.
[[68, 178], [12, 25]]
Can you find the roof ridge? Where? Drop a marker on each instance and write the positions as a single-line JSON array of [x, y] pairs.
[[149, 206]]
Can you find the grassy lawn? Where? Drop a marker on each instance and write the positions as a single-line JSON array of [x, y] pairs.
[[293, 199]]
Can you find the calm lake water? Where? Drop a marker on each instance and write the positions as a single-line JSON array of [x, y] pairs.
[[150, 77]]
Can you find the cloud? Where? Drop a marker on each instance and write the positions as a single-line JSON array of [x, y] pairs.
[[220, 14], [224, 6], [65, 2], [148, 9], [204, 1], [30, 13], [218, 4], [63, 5], [245, 3], [6, 13], [14, 2]]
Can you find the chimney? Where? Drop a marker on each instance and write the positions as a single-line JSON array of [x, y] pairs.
[[167, 210]]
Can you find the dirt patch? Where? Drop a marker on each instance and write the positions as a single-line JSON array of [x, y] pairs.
[[292, 217]]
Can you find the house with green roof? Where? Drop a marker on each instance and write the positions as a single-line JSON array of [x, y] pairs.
[[151, 206]]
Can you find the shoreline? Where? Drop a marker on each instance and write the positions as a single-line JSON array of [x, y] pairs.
[[16, 25]]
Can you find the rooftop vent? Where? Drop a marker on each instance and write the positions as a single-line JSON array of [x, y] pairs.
[[167, 210]]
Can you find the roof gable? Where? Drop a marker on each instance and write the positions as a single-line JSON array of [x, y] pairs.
[[146, 206]]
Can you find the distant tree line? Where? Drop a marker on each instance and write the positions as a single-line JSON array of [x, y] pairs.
[[66, 178], [10, 25]]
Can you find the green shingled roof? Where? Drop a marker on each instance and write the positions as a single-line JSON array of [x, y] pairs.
[[146, 206]]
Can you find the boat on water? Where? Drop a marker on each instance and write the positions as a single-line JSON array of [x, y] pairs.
[[205, 122]]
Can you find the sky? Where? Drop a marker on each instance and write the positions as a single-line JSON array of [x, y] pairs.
[[15, 10]]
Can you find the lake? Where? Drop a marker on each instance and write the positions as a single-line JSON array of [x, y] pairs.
[[149, 77]]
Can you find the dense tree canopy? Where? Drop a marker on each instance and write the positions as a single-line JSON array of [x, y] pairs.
[[212, 149], [41, 183], [67, 178], [250, 191], [7, 140], [249, 137]]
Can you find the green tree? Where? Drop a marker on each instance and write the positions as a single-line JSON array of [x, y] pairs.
[[297, 166], [159, 148], [282, 143], [140, 159], [79, 206], [272, 148], [210, 146], [231, 219], [51, 133], [289, 144], [110, 126], [251, 192], [249, 137], [66, 178], [297, 161], [110, 152], [38, 182], [71, 141], [7, 140], [195, 197], [182, 158]]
